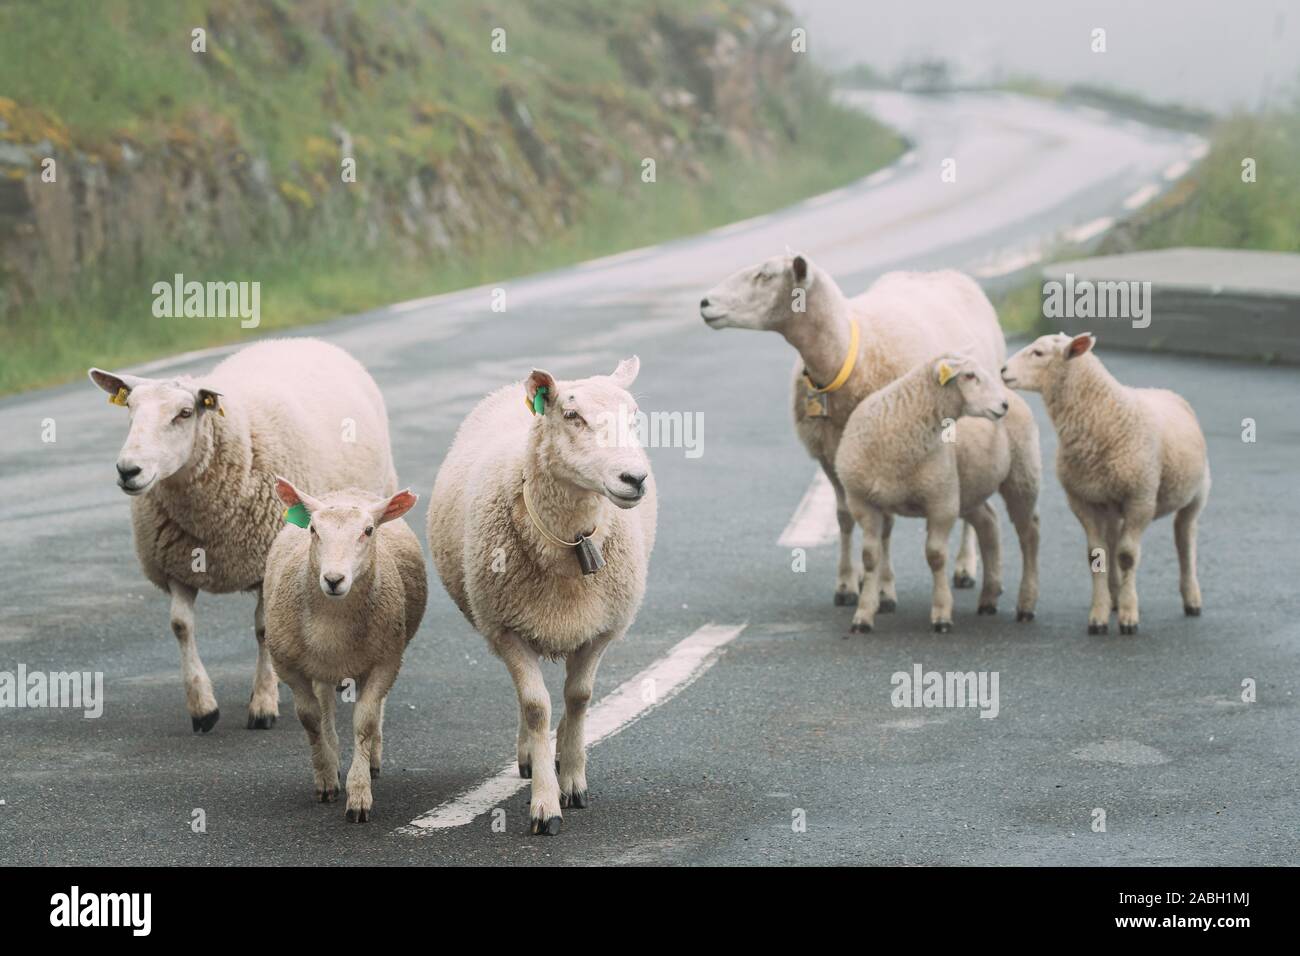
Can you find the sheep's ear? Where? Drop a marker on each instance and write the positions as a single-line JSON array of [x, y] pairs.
[[286, 492], [1080, 344], [117, 384], [802, 271], [943, 371], [208, 400], [539, 392], [396, 506], [626, 373]]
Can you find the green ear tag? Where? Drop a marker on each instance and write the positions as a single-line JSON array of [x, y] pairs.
[[298, 515], [539, 400]]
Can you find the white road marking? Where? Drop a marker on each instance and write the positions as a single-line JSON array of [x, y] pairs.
[[1089, 229], [1176, 170], [880, 176], [909, 159], [738, 226], [665, 678], [630, 256], [825, 198], [1142, 196], [1199, 151], [183, 358], [1005, 263], [814, 522], [1094, 113]]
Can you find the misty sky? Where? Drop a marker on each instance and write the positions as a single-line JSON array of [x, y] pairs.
[[1215, 54]]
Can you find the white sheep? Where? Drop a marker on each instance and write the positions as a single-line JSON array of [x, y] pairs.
[[344, 597], [1125, 456], [534, 468], [200, 461], [903, 319], [913, 449]]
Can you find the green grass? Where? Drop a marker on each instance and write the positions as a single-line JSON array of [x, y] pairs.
[[108, 320]]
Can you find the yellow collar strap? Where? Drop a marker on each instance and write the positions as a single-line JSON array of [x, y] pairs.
[[554, 539], [846, 369]]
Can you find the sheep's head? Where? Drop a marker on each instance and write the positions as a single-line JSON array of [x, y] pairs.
[[981, 395], [763, 297], [1034, 366], [342, 530], [587, 433], [166, 418]]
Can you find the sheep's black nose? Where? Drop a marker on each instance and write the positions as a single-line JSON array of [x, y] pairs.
[[333, 580], [1004, 370], [635, 479], [1005, 406], [126, 474], [704, 303]]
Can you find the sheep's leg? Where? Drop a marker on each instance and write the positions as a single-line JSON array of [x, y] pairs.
[[938, 526], [1114, 523], [306, 702], [1095, 522], [329, 733], [377, 745], [846, 578], [1185, 540], [366, 716], [571, 737], [888, 592], [535, 730], [872, 520], [199, 699], [264, 704], [966, 566], [1137, 515], [985, 522], [1022, 506]]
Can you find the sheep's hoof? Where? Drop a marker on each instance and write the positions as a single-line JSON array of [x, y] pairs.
[[1024, 615], [887, 606], [548, 827], [327, 796], [261, 721], [358, 816], [1191, 611], [1098, 628], [578, 800], [860, 627], [1128, 628], [942, 627], [526, 771], [206, 722], [845, 598], [961, 579], [987, 609]]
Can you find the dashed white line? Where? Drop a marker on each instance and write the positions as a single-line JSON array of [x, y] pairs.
[[1176, 170], [1005, 263], [1142, 196], [630, 256], [1199, 151], [1089, 229], [909, 159], [814, 522], [738, 226], [634, 698], [880, 176], [825, 198]]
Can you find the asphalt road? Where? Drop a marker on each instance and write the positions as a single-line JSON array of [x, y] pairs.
[[793, 720]]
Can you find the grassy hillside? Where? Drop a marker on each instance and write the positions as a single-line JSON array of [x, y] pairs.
[[473, 166]]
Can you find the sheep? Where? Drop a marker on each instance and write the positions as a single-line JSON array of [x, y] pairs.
[[534, 468], [199, 463], [902, 319], [1125, 456], [937, 443], [344, 597]]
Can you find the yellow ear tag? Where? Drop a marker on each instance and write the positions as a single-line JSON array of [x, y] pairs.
[[119, 398], [945, 373], [209, 402]]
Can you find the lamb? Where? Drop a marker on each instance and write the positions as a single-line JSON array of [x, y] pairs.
[[344, 597], [914, 449], [855, 347], [199, 464], [1125, 456], [539, 483]]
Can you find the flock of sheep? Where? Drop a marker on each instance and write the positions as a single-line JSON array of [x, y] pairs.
[[274, 474]]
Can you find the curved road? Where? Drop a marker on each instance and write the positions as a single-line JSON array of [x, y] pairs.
[[742, 725]]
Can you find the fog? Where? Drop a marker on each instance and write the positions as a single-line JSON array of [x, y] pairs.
[[1207, 53]]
